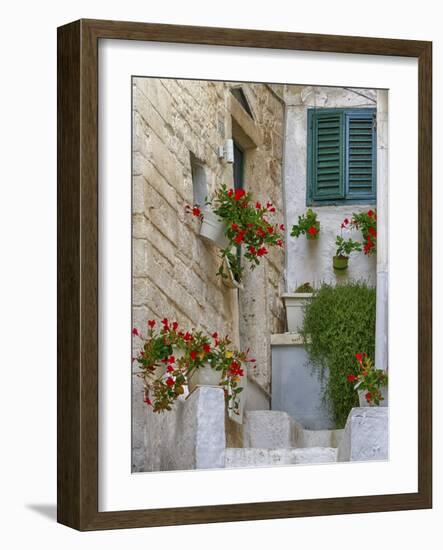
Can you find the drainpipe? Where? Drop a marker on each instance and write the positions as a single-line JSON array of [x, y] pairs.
[[381, 324]]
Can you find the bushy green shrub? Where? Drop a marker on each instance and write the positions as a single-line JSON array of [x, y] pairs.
[[339, 322]]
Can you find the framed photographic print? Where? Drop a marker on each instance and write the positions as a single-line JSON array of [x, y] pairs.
[[244, 275]]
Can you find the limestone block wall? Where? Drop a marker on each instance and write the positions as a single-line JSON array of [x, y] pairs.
[[174, 271], [311, 261]]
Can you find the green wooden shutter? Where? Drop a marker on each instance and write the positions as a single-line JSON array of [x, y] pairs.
[[360, 154], [326, 154]]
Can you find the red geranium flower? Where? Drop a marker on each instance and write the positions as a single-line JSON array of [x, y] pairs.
[[151, 324], [214, 335], [170, 381], [193, 355], [135, 332], [252, 250], [352, 378], [174, 325], [262, 251], [372, 231], [359, 357], [234, 227], [170, 368], [196, 211], [230, 192], [279, 242], [312, 230], [187, 337], [258, 205], [260, 232], [370, 213], [282, 227], [206, 348], [165, 323], [270, 229], [171, 360], [368, 396], [239, 194]]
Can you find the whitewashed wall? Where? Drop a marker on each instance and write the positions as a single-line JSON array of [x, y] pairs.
[[311, 261]]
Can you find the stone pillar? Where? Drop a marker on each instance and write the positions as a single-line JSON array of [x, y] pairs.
[[366, 435], [190, 436], [381, 327]]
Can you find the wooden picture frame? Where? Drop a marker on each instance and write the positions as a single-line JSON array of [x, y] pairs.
[[78, 276]]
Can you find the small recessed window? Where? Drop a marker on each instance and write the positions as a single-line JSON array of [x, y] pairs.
[[199, 183], [239, 95]]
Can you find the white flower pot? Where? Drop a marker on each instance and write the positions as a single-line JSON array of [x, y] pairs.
[[204, 376], [213, 229], [230, 281], [295, 304], [362, 399]]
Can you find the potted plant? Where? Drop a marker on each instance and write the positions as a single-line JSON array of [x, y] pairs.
[[366, 222], [295, 303], [370, 382], [307, 225], [245, 224], [171, 360], [344, 248]]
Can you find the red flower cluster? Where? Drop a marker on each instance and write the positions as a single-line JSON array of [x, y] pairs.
[[312, 230], [194, 210], [235, 369]]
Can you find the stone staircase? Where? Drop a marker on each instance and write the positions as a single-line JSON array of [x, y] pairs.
[[273, 438]]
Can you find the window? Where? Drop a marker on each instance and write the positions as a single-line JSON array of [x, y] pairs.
[[199, 183], [239, 95], [341, 156]]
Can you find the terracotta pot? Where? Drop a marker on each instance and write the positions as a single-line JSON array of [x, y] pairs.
[[340, 262]]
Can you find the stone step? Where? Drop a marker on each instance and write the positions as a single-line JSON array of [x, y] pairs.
[[269, 430], [251, 457], [278, 430]]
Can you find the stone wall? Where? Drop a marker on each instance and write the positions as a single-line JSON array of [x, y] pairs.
[[173, 269], [311, 261]]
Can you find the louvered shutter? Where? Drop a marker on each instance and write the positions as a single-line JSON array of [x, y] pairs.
[[326, 144], [360, 154]]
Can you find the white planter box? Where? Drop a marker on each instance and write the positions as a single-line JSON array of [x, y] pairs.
[[295, 304], [213, 229]]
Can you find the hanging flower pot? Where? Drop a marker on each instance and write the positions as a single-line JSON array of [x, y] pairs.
[[340, 262], [313, 232], [229, 280], [204, 375], [213, 229], [308, 225]]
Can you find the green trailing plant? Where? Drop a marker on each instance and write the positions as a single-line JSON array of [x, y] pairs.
[[307, 225], [367, 379], [338, 321]]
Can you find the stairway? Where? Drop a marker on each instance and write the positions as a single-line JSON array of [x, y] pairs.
[[272, 438]]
